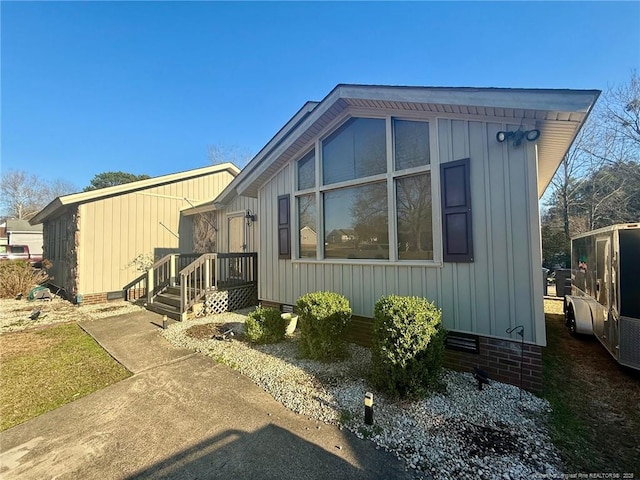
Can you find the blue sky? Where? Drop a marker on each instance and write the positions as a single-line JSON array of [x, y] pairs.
[[147, 87]]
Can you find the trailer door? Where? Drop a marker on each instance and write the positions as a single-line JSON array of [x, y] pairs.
[[603, 292]]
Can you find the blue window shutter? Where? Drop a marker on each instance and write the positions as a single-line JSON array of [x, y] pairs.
[[284, 227], [455, 186]]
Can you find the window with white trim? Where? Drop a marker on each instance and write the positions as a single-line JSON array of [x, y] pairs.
[[356, 198]]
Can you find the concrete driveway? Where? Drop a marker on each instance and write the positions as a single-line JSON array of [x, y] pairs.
[[181, 416]]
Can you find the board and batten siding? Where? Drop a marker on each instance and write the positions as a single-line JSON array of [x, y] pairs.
[[500, 289], [115, 230]]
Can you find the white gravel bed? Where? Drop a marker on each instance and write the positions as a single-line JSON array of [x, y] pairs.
[[14, 314], [462, 433]]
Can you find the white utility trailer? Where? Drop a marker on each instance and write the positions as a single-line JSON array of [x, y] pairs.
[[605, 290]]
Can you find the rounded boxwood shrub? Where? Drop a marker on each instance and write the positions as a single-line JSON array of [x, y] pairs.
[[265, 325], [407, 346], [324, 319]]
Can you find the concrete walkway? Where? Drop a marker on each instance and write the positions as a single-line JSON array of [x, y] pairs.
[[181, 416]]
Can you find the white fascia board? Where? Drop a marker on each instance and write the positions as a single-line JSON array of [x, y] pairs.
[[534, 99], [526, 99], [43, 214]]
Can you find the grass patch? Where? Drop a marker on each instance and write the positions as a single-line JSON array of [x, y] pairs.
[[44, 369], [595, 421], [568, 431]]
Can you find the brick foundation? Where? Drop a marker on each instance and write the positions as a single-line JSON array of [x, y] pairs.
[[501, 360], [95, 298]]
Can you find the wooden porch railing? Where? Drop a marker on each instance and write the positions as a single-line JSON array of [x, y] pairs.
[[136, 289], [196, 274], [154, 281], [213, 271]]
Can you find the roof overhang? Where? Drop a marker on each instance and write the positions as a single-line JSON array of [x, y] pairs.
[[558, 114], [56, 206], [230, 192]]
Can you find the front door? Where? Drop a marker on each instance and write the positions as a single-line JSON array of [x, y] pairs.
[[236, 234], [237, 244]]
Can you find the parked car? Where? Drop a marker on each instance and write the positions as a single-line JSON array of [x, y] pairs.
[[20, 252]]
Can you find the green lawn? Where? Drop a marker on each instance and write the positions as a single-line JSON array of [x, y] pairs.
[[44, 369], [596, 404]]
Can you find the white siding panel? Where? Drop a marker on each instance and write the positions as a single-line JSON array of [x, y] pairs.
[[499, 274], [483, 253], [448, 285], [430, 285], [463, 271]]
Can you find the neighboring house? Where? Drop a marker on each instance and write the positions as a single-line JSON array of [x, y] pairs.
[[308, 237], [21, 232], [308, 242], [440, 205], [341, 236], [92, 237], [3, 233]]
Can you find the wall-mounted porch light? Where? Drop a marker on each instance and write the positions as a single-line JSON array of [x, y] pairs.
[[518, 136], [250, 217]]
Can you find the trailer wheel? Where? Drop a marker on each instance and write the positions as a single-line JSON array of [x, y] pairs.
[[570, 320]]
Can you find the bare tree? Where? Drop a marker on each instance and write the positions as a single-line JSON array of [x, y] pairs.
[[622, 110], [239, 156], [598, 181], [59, 188], [23, 194], [610, 195]]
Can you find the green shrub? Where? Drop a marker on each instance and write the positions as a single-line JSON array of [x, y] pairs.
[[324, 319], [407, 346], [18, 276], [265, 325]]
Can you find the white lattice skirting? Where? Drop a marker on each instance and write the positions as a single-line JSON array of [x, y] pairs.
[[229, 300]]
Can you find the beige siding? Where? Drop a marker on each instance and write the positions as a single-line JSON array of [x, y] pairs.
[[500, 289], [115, 230]]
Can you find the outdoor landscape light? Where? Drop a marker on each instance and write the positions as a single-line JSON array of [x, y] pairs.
[[518, 136], [368, 408]]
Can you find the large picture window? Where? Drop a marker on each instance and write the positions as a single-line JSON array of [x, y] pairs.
[[411, 144], [356, 150], [371, 206], [307, 226], [356, 222], [307, 171], [413, 211]]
